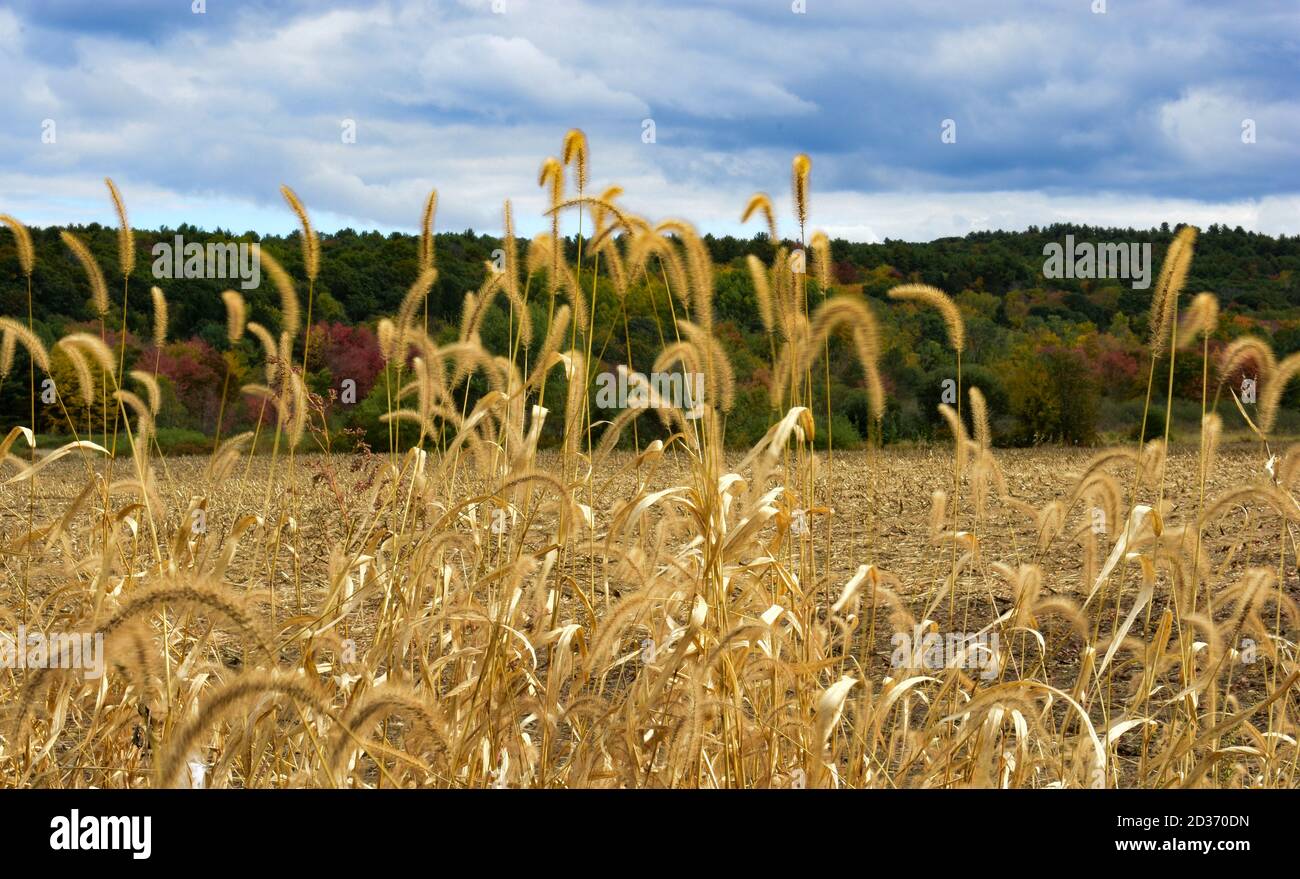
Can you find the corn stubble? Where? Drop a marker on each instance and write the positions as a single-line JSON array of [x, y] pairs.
[[476, 612]]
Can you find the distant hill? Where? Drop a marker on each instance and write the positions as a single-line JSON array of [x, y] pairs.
[[1047, 351]]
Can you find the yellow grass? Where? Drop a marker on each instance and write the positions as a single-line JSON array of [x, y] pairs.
[[477, 612]]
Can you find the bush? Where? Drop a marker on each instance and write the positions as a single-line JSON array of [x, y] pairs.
[[1053, 395], [365, 415], [749, 419], [842, 433], [903, 421], [995, 395], [179, 441]]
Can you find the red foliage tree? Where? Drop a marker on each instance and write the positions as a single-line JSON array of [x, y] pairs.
[[196, 371], [348, 352], [1117, 372]]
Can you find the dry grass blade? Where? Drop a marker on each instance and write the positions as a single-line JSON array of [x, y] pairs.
[[98, 290], [125, 237]]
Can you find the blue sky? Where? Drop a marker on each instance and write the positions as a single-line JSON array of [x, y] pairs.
[[1129, 117]]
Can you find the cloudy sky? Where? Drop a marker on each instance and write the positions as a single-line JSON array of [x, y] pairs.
[[1130, 117]]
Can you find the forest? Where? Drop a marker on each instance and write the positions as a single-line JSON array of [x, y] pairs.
[[1058, 359]]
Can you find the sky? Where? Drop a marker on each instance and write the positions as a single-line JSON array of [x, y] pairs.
[[923, 119]]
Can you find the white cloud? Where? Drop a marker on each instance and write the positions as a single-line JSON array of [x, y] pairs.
[[1132, 118], [1206, 125], [9, 31], [926, 216], [492, 75]]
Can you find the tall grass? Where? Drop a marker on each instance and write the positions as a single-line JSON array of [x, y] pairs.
[[472, 611]]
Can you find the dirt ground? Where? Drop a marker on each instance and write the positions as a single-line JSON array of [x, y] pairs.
[[869, 508]]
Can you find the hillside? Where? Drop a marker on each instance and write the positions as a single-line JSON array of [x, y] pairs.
[[1033, 342]]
